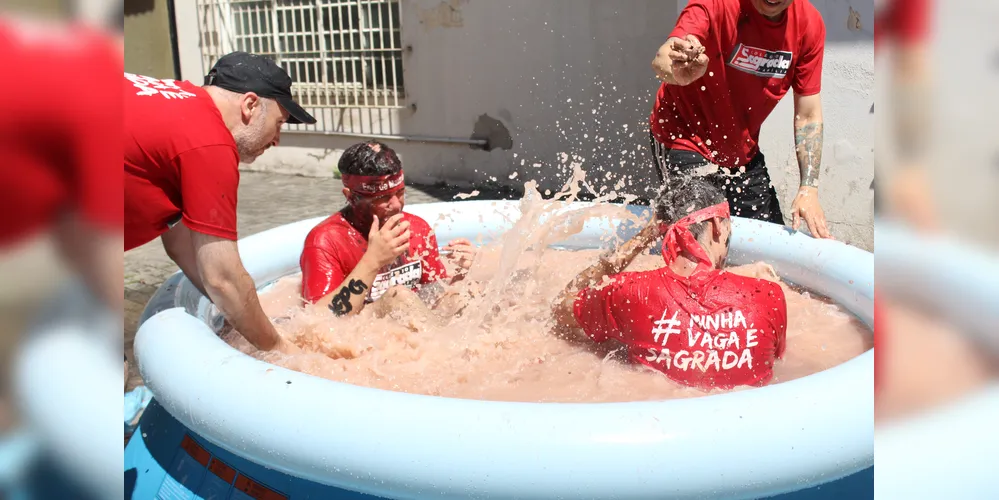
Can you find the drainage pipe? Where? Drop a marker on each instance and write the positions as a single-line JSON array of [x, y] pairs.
[[483, 143]]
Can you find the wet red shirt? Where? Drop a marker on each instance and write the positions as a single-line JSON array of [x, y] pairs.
[[903, 21], [181, 161], [60, 108], [333, 248], [712, 330], [752, 62]]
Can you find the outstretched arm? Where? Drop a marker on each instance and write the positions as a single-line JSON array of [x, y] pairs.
[[808, 141], [232, 290], [614, 263]]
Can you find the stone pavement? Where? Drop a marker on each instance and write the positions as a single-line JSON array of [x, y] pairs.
[[266, 200]]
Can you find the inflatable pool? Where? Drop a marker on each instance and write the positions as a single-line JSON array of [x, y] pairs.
[[225, 425]]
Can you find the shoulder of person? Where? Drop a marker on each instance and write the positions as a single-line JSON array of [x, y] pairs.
[[733, 281], [718, 10], [776, 294], [810, 19], [637, 281], [771, 287], [329, 232], [195, 150], [715, 5]]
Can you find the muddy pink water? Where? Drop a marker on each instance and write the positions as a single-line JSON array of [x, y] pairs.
[[492, 339]]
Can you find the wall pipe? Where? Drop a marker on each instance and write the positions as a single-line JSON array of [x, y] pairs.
[[483, 143]]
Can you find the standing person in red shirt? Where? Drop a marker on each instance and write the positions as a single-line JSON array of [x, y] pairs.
[[724, 68], [357, 254], [182, 148], [697, 324]]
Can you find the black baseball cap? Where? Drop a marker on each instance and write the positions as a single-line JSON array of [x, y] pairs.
[[243, 72]]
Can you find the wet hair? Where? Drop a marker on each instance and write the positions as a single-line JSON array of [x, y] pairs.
[[369, 158], [682, 196]]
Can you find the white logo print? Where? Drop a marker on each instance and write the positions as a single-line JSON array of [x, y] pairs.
[[152, 86], [761, 62], [665, 326]]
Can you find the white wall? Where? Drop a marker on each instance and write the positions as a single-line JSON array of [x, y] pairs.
[[574, 77]]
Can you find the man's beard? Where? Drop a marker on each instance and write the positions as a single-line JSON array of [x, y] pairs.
[[247, 154], [249, 145], [247, 159]]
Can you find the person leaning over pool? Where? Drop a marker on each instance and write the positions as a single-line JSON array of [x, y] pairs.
[[692, 321], [183, 144], [357, 254]]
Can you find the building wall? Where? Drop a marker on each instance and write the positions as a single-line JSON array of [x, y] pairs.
[[148, 49], [557, 81]]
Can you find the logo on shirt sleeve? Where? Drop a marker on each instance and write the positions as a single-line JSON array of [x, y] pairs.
[[760, 62]]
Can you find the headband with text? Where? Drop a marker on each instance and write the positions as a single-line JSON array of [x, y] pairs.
[[374, 185]]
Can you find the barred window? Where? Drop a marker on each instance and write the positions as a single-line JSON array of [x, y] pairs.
[[339, 53]]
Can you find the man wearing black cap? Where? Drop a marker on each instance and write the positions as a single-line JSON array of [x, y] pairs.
[[182, 147]]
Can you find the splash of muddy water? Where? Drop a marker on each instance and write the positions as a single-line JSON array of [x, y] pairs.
[[492, 340]]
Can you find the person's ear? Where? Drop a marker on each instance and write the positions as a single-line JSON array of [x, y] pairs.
[[248, 104], [716, 228], [347, 194]]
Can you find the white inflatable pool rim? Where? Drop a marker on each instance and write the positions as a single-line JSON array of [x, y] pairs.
[[746, 444]]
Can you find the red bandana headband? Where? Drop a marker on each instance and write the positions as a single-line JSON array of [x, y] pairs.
[[373, 185], [678, 237]]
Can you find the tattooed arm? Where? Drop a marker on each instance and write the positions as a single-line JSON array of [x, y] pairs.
[[808, 138], [348, 298], [385, 244], [808, 135]]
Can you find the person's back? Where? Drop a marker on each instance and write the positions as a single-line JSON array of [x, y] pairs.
[[699, 325], [711, 330]]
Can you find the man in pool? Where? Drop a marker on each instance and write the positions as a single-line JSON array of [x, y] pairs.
[[699, 325], [357, 254], [724, 67]]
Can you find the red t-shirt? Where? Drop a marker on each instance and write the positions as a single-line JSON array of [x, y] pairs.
[[181, 161], [59, 104], [903, 21], [713, 330], [752, 62], [333, 248]]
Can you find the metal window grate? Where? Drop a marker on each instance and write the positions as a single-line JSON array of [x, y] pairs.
[[340, 53]]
